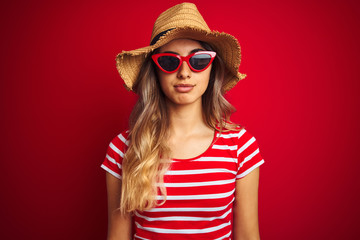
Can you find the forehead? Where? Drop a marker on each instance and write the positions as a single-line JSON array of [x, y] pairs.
[[181, 46]]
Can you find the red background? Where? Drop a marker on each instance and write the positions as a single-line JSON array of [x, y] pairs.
[[62, 101]]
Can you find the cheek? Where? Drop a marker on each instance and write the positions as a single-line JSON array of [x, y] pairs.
[[206, 77], [164, 82]]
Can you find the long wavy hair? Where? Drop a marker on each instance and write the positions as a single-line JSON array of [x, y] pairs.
[[148, 157]]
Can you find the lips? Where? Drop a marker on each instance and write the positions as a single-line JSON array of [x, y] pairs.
[[184, 88]]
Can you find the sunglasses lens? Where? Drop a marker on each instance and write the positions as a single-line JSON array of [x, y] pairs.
[[168, 63], [200, 61]]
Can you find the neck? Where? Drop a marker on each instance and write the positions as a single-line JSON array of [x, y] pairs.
[[185, 119]]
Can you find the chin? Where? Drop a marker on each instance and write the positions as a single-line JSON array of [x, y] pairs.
[[185, 101]]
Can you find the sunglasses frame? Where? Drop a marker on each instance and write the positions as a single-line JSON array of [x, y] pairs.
[[155, 58]]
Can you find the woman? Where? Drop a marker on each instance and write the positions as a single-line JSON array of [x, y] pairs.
[[182, 170]]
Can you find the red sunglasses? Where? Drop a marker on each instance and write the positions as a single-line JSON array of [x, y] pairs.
[[170, 62]]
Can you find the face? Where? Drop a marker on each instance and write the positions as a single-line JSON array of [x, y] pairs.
[[183, 86]]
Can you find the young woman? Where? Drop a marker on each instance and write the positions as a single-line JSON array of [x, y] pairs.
[[182, 170]]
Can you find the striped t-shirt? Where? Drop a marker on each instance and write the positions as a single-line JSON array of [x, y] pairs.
[[200, 190]]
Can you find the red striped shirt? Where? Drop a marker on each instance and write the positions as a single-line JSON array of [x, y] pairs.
[[200, 190]]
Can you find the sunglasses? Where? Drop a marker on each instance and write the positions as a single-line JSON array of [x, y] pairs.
[[170, 62]]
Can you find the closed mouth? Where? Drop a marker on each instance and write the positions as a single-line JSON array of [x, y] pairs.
[[184, 88], [184, 85]]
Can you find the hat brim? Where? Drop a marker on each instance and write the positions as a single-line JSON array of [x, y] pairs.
[[128, 63]]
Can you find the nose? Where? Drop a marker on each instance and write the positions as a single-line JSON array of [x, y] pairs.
[[184, 71]]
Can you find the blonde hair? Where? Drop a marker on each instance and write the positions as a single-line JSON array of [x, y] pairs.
[[148, 156]]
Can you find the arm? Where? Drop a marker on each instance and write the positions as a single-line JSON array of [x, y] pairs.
[[246, 226], [119, 226]]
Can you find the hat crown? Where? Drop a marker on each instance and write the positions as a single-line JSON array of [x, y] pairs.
[[181, 15]]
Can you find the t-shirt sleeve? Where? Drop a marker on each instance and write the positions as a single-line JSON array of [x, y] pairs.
[[248, 154], [115, 154]]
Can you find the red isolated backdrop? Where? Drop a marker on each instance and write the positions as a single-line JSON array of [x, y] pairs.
[[62, 101]]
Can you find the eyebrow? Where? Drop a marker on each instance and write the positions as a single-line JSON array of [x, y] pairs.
[[192, 51]]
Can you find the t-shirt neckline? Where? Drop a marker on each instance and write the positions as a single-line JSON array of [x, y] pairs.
[[201, 154]]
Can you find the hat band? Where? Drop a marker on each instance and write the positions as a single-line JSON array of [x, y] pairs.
[[157, 37]]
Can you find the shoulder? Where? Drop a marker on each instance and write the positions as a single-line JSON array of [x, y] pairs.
[[235, 133], [239, 136], [119, 143], [121, 138]]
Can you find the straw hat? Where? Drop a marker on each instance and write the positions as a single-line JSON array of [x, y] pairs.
[[183, 21]]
